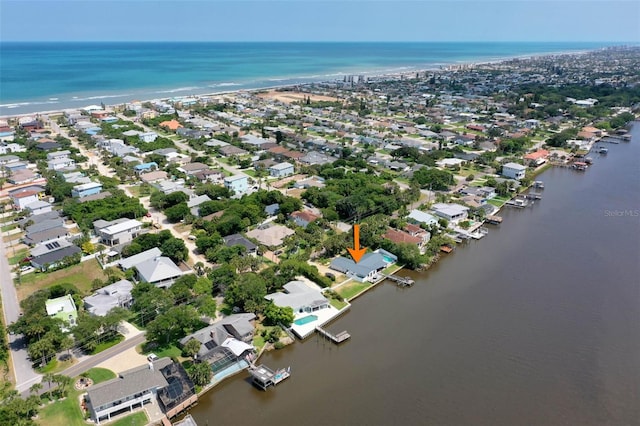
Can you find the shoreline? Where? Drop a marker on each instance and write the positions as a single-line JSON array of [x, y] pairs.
[[386, 73]]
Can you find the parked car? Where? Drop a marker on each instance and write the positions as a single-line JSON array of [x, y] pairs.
[[152, 357]]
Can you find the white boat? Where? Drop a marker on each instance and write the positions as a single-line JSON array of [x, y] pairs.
[[603, 151]]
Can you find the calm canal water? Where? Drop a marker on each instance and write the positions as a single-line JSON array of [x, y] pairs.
[[536, 324]]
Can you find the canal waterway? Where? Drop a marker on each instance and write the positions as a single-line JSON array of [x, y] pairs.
[[536, 324]]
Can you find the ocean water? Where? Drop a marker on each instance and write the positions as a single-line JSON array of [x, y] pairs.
[[49, 76]]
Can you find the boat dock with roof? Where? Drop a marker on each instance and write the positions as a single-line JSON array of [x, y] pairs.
[[263, 376]]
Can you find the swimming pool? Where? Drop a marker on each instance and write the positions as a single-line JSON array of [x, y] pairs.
[[388, 259], [305, 320]]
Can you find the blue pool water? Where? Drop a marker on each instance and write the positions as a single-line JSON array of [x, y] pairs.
[[388, 259], [305, 320]]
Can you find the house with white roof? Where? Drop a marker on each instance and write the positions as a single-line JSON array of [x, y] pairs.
[[131, 261], [85, 189], [239, 184], [300, 297], [423, 217], [63, 308], [451, 212], [148, 136], [514, 171], [119, 232], [112, 296], [39, 207], [281, 170]]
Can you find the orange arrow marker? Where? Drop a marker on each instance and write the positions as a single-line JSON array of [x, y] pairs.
[[356, 252]]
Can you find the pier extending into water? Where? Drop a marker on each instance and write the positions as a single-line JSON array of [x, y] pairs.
[[263, 376], [335, 338], [400, 281]]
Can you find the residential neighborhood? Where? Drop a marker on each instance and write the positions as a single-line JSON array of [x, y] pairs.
[[215, 228]]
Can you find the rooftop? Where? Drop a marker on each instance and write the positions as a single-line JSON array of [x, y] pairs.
[[132, 261], [129, 383]]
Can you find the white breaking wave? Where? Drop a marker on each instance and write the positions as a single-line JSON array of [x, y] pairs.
[[91, 98], [225, 84], [180, 89], [23, 104]]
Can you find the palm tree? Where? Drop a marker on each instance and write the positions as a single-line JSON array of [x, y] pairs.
[[35, 389], [49, 378], [62, 381]]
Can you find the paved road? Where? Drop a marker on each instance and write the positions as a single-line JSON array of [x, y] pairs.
[[81, 367], [23, 373], [88, 363]]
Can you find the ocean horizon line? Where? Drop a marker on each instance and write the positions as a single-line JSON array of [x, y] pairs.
[[69, 74]]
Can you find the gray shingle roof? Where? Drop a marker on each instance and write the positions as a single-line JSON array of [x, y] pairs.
[[44, 225], [49, 234], [370, 262], [129, 383], [236, 325], [158, 269], [55, 256], [109, 297], [237, 239], [132, 261], [298, 295]]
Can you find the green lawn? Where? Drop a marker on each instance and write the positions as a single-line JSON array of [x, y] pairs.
[[8, 227], [391, 269], [20, 254], [349, 290], [136, 419], [80, 275], [63, 413], [99, 375], [338, 304], [171, 351], [106, 345], [258, 342], [68, 413], [55, 366], [498, 201], [134, 190]]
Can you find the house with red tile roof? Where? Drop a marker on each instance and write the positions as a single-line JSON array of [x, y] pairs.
[[402, 237], [22, 198], [303, 218], [172, 125], [536, 158], [476, 127]]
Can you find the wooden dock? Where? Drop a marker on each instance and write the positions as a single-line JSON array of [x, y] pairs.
[[494, 220], [400, 281], [335, 338], [446, 248]]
